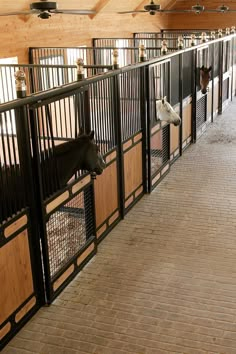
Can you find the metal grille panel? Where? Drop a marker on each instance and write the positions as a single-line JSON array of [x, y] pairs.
[[201, 112], [159, 149], [68, 230]]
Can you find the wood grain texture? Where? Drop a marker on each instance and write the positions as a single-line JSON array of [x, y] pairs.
[[15, 274], [106, 194], [186, 122], [174, 138], [133, 174]]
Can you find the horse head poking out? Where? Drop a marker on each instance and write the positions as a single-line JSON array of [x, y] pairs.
[[93, 160], [165, 112], [80, 153], [204, 78]]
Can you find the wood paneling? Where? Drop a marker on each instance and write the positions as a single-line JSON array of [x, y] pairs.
[[63, 277], [16, 225], [106, 194], [156, 141], [133, 174], [174, 138], [20, 32], [216, 97], [209, 103], [15, 274], [186, 122], [85, 254], [25, 309]]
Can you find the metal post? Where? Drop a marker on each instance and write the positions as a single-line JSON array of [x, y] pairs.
[[181, 102], [194, 94], [24, 149], [221, 53], [118, 134]]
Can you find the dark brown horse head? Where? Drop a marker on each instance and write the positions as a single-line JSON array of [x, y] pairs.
[[204, 78], [92, 159]]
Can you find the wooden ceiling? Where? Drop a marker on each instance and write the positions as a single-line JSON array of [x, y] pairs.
[[113, 6]]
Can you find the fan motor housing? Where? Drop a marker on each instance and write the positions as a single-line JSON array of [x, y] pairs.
[[152, 7], [223, 8], [198, 8], [44, 5]]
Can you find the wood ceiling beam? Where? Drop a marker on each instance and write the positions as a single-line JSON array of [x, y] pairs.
[[167, 5], [98, 7]]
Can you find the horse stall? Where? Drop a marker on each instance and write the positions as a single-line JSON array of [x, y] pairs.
[[54, 212], [227, 71], [187, 95], [20, 260], [41, 77], [203, 99], [158, 131]]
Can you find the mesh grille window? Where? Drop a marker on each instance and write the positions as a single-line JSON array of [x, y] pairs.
[[68, 229], [201, 111], [159, 149]]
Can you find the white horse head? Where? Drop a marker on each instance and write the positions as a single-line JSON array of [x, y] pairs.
[[165, 112]]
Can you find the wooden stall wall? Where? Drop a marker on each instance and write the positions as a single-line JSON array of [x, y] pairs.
[[18, 33]]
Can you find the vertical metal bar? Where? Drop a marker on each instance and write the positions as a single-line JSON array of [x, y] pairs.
[[118, 132], [194, 95], [23, 137], [213, 81], [148, 71], [221, 53], [181, 102], [39, 204], [143, 111]]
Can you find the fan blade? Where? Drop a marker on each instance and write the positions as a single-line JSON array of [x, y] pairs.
[[18, 13], [131, 12], [175, 11], [73, 12]]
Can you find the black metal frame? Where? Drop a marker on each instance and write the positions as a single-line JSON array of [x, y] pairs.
[[27, 137]]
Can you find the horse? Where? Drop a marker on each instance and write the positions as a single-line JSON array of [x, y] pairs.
[[56, 169], [166, 113], [204, 78]]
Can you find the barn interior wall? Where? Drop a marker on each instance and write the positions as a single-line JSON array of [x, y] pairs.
[[18, 33]]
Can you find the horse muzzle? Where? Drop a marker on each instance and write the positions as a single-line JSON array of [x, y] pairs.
[[177, 122]]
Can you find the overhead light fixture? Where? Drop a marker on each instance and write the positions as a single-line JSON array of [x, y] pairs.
[[198, 8], [223, 8]]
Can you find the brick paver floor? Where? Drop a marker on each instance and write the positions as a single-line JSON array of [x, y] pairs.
[[164, 280]]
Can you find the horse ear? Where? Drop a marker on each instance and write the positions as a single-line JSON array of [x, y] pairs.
[[91, 135], [165, 98], [202, 68], [209, 69]]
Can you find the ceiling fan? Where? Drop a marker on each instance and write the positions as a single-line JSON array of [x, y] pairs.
[[44, 9], [223, 9], [153, 8]]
